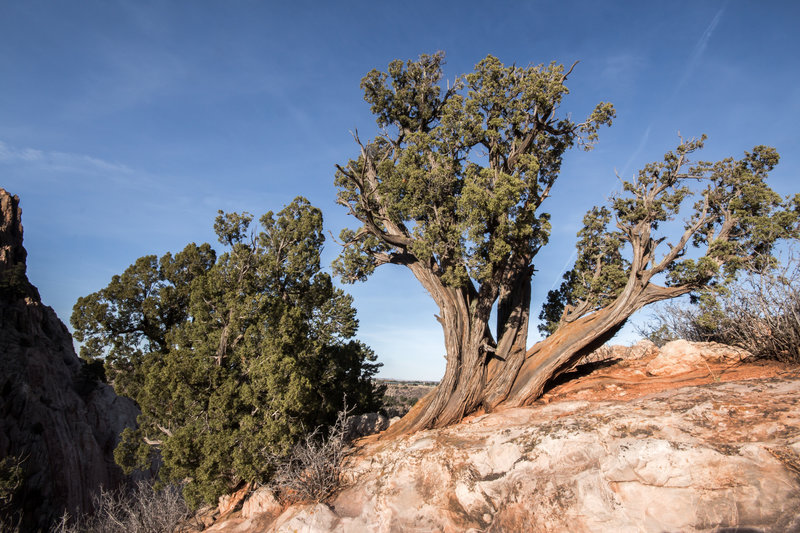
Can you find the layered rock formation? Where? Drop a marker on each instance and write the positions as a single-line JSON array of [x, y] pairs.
[[623, 446], [55, 417]]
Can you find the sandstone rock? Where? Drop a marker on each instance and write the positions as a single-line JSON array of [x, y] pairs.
[[229, 502], [306, 518], [680, 356], [643, 349], [721, 353], [675, 357], [607, 352], [366, 424], [262, 501], [63, 423], [703, 458]]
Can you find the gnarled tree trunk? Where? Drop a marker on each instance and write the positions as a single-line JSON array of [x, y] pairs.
[[476, 379], [480, 371]]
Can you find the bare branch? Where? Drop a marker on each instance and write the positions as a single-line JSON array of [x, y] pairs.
[[677, 250], [564, 77]]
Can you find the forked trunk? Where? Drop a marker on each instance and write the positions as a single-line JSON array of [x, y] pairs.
[[556, 354], [458, 393], [479, 373], [510, 376]]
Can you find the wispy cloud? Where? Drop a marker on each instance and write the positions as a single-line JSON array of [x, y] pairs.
[[8, 153], [621, 70], [62, 161], [636, 153], [698, 50], [691, 65]]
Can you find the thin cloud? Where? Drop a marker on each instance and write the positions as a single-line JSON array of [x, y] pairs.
[[699, 49], [29, 155], [638, 151], [61, 161], [622, 70], [127, 77]]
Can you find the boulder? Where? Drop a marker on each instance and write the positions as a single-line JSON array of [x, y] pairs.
[[307, 518], [675, 357], [643, 349], [681, 356], [365, 424], [721, 353], [262, 501]]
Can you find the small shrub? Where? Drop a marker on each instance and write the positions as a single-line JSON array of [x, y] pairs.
[[313, 471], [760, 313], [139, 510]]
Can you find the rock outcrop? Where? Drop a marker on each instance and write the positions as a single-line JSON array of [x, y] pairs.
[[358, 426], [682, 356], [713, 447], [58, 420]]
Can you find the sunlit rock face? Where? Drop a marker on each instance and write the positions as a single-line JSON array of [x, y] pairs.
[[612, 450], [58, 420], [691, 459]]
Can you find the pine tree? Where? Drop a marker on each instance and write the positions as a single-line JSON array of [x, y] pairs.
[[231, 358]]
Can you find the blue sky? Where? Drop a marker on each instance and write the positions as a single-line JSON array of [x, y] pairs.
[[125, 126]]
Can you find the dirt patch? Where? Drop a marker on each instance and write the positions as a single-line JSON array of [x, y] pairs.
[[627, 380]]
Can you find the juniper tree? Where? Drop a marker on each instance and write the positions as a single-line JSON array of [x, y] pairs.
[[452, 188], [231, 358]]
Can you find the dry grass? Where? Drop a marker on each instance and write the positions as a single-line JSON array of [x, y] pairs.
[[761, 314], [313, 471], [140, 510]]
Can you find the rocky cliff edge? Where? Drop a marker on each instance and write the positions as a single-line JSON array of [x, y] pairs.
[[637, 440], [60, 423]]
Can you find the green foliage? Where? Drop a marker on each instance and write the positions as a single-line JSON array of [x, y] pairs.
[[130, 318], [599, 274], [456, 178], [231, 358], [734, 224], [91, 375]]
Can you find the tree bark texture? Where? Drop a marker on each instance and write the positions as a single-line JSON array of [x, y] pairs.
[[479, 377]]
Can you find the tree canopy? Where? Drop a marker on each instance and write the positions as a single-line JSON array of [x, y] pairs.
[[231, 358], [456, 177], [733, 223], [452, 188]]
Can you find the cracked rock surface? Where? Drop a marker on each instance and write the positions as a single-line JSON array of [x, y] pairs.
[[694, 458]]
